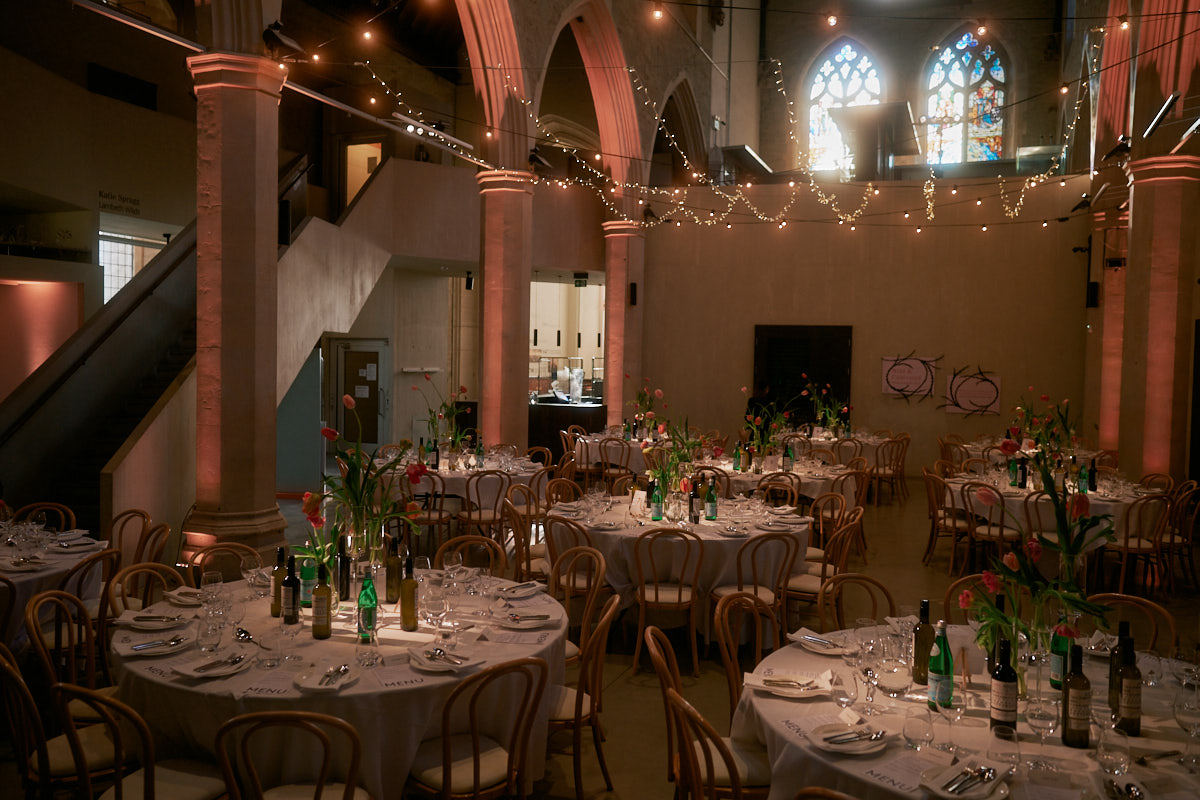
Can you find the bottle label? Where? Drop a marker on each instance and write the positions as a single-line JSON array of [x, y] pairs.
[[941, 688], [320, 606], [1004, 701], [291, 602], [710, 509], [1079, 708], [306, 587], [1056, 667], [1130, 705], [656, 510]]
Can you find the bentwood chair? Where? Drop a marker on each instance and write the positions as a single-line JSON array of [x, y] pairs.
[[889, 468], [240, 752], [1177, 547], [953, 610], [577, 580], [828, 512], [735, 613], [853, 484], [946, 519], [127, 530], [89, 575], [139, 585], [807, 586], [764, 563], [152, 546], [485, 491], [527, 565], [47, 765], [832, 599], [575, 707], [225, 557], [714, 766], [668, 562], [58, 516], [717, 474], [131, 742], [613, 457], [63, 637], [987, 522], [1148, 618], [433, 515], [1138, 538], [589, 461], [846, 449], [488, 760], [561, 490], [1157, 481], [476, 551], [540, 455], [662, 656], [562, 534]]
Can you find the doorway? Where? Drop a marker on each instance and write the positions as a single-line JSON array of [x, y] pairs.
[[362, 369], [784, 353]]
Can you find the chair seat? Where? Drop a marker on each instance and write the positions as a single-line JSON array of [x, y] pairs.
[[493, 763], [814, 554], [571, 650], [1133, 546], [765, 594], [485, 515], [432, 518], [83, 712], [537, 550], [1005, 536], [669, 594], [561, 700], [750, 760], [805, 584], [175, 779], [952, 519], [539, 566], [97, 752], [814, 568], [300, 791], [1175, 540]]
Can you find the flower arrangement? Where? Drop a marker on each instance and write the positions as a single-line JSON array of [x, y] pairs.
[[828, 411], [448, 410], [361, 494], [677, 448], [1016, 573], [766, 423], [643, 401]]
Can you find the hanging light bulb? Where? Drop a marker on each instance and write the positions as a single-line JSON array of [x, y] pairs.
[[832, 20], [979, 201], [983, 228], [981, 30], [1124, 20], [954, 190], [1064, 88], [658, 11]]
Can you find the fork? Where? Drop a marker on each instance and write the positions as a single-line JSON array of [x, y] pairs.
[[786, 683]]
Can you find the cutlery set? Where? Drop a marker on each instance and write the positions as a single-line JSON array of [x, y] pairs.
[[172, 642], [1114, 791], [786, 683], [817, 640], [221, 663], [858, 735], [969, 778], [438, 654], [333, 675]]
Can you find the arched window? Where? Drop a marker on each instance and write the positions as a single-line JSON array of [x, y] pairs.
[[964, 103], [846, 77]]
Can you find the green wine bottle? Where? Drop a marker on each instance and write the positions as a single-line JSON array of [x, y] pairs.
[[941, 668], [368, 604], [1060, 648]]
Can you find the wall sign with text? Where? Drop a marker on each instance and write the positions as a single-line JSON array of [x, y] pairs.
[[909, 376], [975, 392]]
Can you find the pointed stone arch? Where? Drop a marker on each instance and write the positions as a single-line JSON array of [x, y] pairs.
[[690, 134]]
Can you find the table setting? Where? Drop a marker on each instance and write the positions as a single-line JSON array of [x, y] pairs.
[[812, 704], [390, 687]]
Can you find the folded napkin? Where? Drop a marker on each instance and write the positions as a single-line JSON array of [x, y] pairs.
[[799, 638], [124, 642], [1101, 642], [781, 509], [417, 658], [819, 685], [976, 792], [896, 622]]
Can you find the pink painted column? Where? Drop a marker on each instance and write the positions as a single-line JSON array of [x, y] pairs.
[[506, 256], [1112, 339], [237, 155], [624, 265], [1164, 250]]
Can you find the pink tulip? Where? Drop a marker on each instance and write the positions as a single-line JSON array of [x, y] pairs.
[[348, 402], [966, 598], [1080, 506], [1009, 446], [658, 394], [1033, 549], [330, 434], [1010, 561], [990, 581], [662, 428]]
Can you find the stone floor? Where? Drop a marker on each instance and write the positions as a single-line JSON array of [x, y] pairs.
[[633, 714]]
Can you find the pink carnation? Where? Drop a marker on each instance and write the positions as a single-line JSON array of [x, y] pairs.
[[966, 598], [990, 581]]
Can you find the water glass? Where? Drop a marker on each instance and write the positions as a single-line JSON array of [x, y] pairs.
[[843, 689], [270, 654], [288, 640], [1004, 747], [366, 651], [1187, 714], [1112, 751], [952, 713], [1150, 664], [893, 676], [210, 585], [208, 635], [1043, 718], [918, 728]]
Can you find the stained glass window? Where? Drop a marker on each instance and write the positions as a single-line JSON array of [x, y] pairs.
[[964, 103], [846, 77]]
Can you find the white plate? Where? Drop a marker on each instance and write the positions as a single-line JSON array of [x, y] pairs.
[[127, 651], [309, 682], [524, 625], [605, 525], [188, 670], [164, 625], [934, 778], [517, 592], [184, 598], [820, 650], [70, 536], [417, 660], [860, 748], [814, 689]]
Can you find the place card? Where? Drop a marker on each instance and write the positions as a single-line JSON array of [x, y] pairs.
[[397, 677], [902, 773], [272, 683]]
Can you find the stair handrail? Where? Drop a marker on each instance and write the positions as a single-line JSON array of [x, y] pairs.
[[56, 370]]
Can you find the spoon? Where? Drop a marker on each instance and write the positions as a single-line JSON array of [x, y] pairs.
[[441, 655], [172, 642], [984, 775], [1132, 790], [243, 635], [226, 662]]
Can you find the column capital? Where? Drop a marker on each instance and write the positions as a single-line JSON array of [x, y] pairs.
[[506, 180], [622, 227], [1169, 167], [237, 71]]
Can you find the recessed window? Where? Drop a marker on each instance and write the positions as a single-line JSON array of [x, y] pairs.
[[964, 102], [847, 76]]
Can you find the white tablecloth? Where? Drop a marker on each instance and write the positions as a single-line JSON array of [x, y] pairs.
[[781, 725], [391, 719], [57, 564]]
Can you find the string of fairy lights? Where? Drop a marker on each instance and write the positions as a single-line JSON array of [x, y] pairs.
[[720, 201]]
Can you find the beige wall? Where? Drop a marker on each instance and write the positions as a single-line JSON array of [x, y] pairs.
[[1010, 301]]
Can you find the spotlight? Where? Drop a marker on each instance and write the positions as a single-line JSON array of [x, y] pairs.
[[470, 281], [372, 101], [596, 157], [906, 215], [1062, 182], [1121, 148], [978, 201], [983, 228], [316, 56], [918, 229], [1044, 223], [954, 190], [876, 192], [832, 20], [279, 44], [658, 11], [1124, 20], [366, 34]]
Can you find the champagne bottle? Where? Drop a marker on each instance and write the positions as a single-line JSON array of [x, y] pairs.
[[710, 500], [395, 570], [1114, 666], [421, 450], [1004, 688], [695, 503], [343, 568], [940, 670], [1077, 703], [1060, 648], [1129, 702], [322, 606], [656, 504], [289, 594], [923, 636], [308, 579], [408, 596], [277, 575], [368, 604]]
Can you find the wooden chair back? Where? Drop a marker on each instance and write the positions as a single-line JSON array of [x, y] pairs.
[[238, 754], [735, 612], [1157, 481], [477, 551], [153, 544], [562, 534], [127, 530], [58, 516], [765, 560], [668, 564], [486, 489], [701, 748], [846, 449], [577, 580], [953, 609], [720, 475], [61, 634], [540, 455], [224, 557], [832, 597], [1157, 620], [561, 490], [662, 656]]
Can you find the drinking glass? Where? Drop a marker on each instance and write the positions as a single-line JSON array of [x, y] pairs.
[[452, 562], [870, 657], [1042, 716], [1185, 665], [254, 578], [893, 676], [1187, 714], [236, 612], [1004, 748], [850, 650], [288, 640], [1150, 664], [208, 635], [366, 651], [918, 728], [210, 585], [434, 606], [269, 655], [1112, 751], [843, 689], [952, 713]]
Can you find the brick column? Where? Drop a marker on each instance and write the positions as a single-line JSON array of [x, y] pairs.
[[506, 256], [624, 265], [1164, 248], [237, 146]]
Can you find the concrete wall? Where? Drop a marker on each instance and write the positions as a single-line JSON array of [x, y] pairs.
[[1010, 301], [35, 318]]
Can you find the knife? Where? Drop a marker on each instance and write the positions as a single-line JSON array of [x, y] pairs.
[[157, 618], [817, 640]]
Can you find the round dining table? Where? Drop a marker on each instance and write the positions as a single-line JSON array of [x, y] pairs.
[[41, 570], [793, 728], [393, 706]]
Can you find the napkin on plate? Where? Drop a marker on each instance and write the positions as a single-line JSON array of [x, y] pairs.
[[798, 637], [417, 658], [820, 682], [976, 792], [1101, 642]]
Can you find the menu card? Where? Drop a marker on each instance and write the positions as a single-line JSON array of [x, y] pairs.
[[272, 683], [903, 773]]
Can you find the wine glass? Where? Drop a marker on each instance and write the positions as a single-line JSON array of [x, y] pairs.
[[1150, 664], [210, 585], [1043, 717], [1004, 747], [1187, 713], [918, 728], [953, 712], [1112, 751], [870, 658], [288, 639], [843, 689], [254, 579], [452, 563], [434, 606]]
